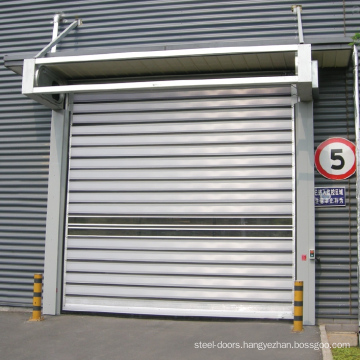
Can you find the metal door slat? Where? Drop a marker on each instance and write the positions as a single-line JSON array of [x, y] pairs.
[[181, 209], [181, 281], [183, 139], [189, 174], [180, 105], [170, 197], [181, 256], [180, 293], [182, 243], [185, 115], [198, 127], [193, 162], [244, 270], [189, 185], [178, 150]]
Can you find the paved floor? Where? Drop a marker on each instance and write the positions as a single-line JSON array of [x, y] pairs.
[[86, 337]]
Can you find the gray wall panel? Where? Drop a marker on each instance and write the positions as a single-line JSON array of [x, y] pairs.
[[336, 228], [24, 152], [26, 24], [24, 157]]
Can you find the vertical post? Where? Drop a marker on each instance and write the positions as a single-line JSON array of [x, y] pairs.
[[298, 306], [297, 10], [36, 314], [57, 19], [54, 236], [357, 139], [305, 211]]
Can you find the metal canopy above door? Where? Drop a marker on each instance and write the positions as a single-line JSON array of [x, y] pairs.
[[45, 77], [181, 203]]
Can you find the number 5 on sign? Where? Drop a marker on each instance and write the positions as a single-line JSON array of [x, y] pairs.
[[335, 158]]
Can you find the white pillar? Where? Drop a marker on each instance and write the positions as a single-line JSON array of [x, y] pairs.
[[305, 209], [55, 212]]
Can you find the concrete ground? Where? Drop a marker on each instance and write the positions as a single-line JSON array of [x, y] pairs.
[[87, 337]]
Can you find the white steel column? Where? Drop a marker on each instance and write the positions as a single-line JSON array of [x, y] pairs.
[[305, 211], [55, 212]]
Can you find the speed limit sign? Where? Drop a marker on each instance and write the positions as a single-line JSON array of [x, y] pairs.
[[335, 158]]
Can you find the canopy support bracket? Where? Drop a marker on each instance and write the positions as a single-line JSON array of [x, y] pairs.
[[54, 42]]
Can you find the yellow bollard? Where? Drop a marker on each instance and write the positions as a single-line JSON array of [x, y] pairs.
[[298, 306], [36, 314]]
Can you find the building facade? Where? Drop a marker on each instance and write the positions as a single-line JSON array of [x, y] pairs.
[[172, 172]]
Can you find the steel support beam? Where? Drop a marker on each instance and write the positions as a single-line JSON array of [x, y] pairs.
[[305, 211], [54, 236], [54, 42], [297, 10], [253, 81]]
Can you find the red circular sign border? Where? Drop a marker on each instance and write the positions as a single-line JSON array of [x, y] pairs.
[[320, 168]]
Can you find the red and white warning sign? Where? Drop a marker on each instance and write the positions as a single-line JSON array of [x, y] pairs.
[[335, 158]]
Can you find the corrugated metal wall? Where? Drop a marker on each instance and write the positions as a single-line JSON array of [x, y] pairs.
[[24, 125], [336, 228], [24, 158], [24, 154], [25, 25]]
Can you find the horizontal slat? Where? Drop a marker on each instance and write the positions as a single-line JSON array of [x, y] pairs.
[[181, 293], [177, 174], [20, 276], [183, 197], [23, 196], [201, 115], [185, 127], [104, 97], [246, 270], [338, 296], [179, 243], [179, 233], [13, 296], [205, 185], [179, 257], [184, 139], [154, 105], [189, 150], [191, 209], [11, 286], [22, 240], [179, 281], [26, 142], [22, 254], [14, 267], [34, 248], [189, 162], [22, 261], [233, 309], [181, 223], [24, 202]]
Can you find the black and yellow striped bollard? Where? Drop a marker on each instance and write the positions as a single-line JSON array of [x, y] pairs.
[[36, 313], [298, 306]]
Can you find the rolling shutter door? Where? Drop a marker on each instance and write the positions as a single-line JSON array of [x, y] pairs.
[[181, 203]]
